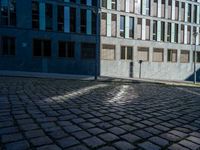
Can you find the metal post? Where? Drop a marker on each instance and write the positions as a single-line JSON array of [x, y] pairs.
[[195, 58], [98, 13], [140, 71]]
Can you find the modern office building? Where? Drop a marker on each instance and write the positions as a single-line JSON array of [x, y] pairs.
[[159, 32], [54, 36], [62, 36]]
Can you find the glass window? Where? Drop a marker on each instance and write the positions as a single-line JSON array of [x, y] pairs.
[[172, 55], [49, 16], [143, 53], [8, 12], [108, 52], [72, 19], [66, 49], [88, 50], [122, 26], [83, 21], [158, 55], [41, 48], [7, 46], [154, 30], [60, 18], [131, 27], [185, 56]]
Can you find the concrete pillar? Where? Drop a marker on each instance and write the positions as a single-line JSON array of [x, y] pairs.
[[197, 39], [135, 27], [151, 30], [42, 16], [150, 54], [126, 26], [166, 31], [173, 9], [143, 7], [179, 33], [78, 23], [159, 8], [66, 19], [165, 55], [178, 55], [89, 22], [127, 6], [198, 11], [143, 29], [89, 2], [166, 9], [158, 30], [186, 12], [109, 6], [192, 13], [185, 34], [109, 24], [172, 32], [180, 12], [118, 25]]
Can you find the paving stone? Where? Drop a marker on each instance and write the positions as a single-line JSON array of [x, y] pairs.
[[81, 134], [177, 147], [72, 128], [34, 133], [11, 137], [93, 142], [194, 139], [20, 145], [189, 144], [153, 130], [131, 138], [108, 137], [41, 141], [78, 147], [95, 131], [58, 134], [196, 134], [117, 130], [142, 134], [170, 137], [27, 127], [8, 130], [159, 141], [178, 133], [123, 145], [68, 142], [107, 148], [49, 147], [149, 146]]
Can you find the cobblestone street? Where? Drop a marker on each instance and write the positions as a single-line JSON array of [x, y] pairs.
[[80, 115]]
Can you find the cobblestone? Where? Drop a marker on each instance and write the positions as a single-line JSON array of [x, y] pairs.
[[80, 115]]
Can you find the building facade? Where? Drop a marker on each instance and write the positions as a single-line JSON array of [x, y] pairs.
[[159, 32], [54, 36], [62, 36]]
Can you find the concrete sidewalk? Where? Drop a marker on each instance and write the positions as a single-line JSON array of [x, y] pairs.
[[91, 78]]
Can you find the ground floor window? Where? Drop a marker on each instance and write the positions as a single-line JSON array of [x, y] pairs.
[[197, 57], [126, 52], [7, 46], [66, 49], [143, 53], [185, 56], [172, 55], [158, 55], [88, 50], [42, 47], [108, 52]]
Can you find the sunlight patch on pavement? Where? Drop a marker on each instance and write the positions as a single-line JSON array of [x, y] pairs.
[[124, 95], [80, 92]]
